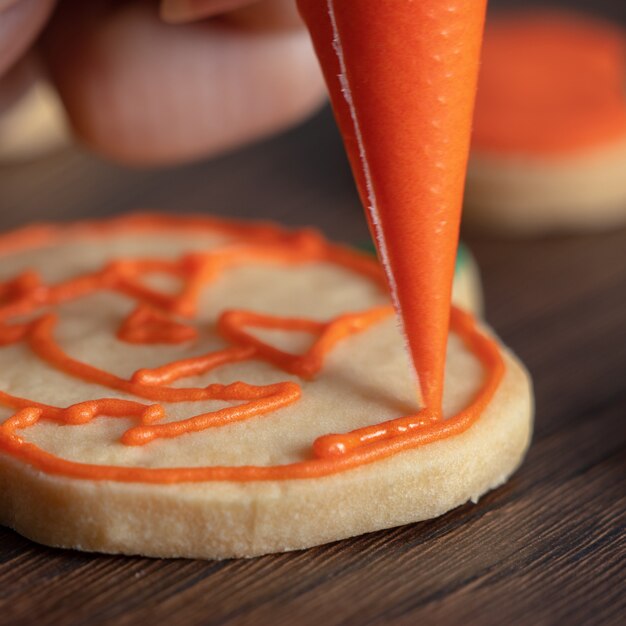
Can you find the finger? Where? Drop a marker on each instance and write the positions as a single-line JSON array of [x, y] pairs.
[[144, 92], [20, 23]]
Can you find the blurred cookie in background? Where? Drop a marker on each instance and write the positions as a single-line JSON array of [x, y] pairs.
[[549, 141]]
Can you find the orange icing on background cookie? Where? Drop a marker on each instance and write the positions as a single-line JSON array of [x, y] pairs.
[[402, 80], [550, 82], [154, 321]]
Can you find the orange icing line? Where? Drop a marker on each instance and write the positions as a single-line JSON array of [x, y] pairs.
[[550, 82], [44, 345], [148, 325], [193, 366], [26, 283], [332, 453], [402, 79], [271, 398], [232, 325]]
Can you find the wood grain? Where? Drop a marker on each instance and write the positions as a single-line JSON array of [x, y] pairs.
[[549, 547]]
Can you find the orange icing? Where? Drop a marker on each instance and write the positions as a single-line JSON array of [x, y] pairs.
[[27, 296], [550, 82], [402, 79], [148, 325]]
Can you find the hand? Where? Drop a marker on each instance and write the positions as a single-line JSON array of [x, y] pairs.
[[148, 84]]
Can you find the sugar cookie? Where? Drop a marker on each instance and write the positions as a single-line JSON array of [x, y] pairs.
[[549, 140], [195, 387]]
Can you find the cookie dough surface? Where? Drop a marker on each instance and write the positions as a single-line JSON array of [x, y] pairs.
[[531, 195], [366, 379]]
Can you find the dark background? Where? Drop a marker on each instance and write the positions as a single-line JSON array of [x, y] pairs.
[[548, 547]]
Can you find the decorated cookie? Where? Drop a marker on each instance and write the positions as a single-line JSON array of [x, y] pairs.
[[203, 388], [549, 141]]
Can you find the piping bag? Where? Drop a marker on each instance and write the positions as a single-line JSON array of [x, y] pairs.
[[402, 81]]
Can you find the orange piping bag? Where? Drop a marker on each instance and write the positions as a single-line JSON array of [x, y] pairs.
[[402, 81]]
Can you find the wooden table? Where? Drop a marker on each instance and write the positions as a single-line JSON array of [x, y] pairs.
[[548, 547]]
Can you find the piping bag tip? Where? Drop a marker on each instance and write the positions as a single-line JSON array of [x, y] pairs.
[[402, 80]]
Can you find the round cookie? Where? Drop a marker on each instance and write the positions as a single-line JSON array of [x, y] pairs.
[[549, 139], [202, 388]]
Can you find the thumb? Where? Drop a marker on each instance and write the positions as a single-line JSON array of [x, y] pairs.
[[144, 92]]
